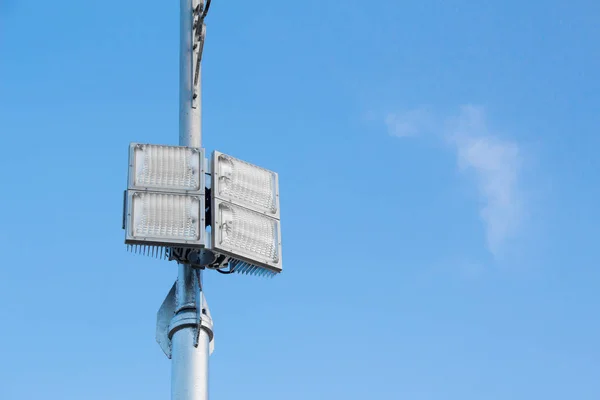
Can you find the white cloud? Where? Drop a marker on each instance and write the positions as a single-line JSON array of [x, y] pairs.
[[495, 164], [409, 123]]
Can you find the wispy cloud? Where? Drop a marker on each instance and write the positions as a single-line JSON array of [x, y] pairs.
[[494, 163], [409, 123], [496, 166]]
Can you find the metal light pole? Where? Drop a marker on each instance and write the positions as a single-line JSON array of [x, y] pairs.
[[167, 210], [191, 40], [190, 330]]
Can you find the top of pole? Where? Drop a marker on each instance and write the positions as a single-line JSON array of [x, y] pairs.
[[192, 34]]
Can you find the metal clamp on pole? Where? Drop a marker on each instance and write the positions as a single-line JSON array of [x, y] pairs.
[[203, 318], [169, 320]]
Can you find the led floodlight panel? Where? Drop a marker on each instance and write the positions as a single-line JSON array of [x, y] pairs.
[[247, 235], [165, 196], [166, 168], [245, 213], [245, 184], [165, 219]]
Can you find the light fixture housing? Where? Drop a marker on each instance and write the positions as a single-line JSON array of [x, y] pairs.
[[245, 214], [165, 219], [166, 168], [247, 185], [165, 203]]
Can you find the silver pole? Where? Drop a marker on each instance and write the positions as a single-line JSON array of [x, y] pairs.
[[189, 353], [189, 370], [190, 130]]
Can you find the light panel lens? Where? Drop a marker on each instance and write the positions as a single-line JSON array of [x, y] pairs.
[[246, 183], [166, 167], [165, 216], [253, 234]]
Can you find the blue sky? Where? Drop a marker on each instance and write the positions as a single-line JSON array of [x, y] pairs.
[[439, 182]]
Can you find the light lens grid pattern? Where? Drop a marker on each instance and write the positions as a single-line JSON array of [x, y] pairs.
[[165, 216], [247, 184], [250, 233], [166, 167]]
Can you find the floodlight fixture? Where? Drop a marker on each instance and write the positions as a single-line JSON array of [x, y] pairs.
[[245, 215], [165, 204], [245, 184], [166, 168], [246, 235], [164, 219]]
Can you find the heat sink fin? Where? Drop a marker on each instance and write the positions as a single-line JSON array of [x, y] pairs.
[[157, 252], [242, 267]]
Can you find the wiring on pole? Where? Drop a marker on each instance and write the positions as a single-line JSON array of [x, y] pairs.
[[199, 12], [206, 9]]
